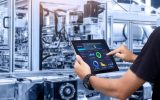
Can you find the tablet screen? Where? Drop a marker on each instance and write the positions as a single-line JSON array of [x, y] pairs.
[[93, 52]]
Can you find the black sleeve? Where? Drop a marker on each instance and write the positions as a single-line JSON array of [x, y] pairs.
[[147, 64]]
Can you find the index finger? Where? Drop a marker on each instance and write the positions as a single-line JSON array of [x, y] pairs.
[[113, 52]]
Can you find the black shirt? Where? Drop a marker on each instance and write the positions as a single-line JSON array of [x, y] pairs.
[[147, 64]]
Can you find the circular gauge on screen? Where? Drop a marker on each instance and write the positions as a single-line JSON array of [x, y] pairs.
[[98, 55], [96, 64]]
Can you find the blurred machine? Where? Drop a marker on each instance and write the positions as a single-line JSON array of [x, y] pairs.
[[14, 38], [53, 86], [116, 21], [55, 47], [8, 89], [59, 26], [4, 39], [39, 86], [60, 90], [21, 38], [93, 19]]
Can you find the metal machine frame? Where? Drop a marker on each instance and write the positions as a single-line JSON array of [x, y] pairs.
[[129, 19], [11, 6]]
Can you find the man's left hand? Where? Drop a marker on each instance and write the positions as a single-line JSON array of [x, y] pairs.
[[81, 68]]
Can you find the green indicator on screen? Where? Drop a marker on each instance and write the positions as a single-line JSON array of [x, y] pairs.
[[98, 55]]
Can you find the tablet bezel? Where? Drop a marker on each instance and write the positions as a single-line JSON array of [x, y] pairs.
[[115, 68]]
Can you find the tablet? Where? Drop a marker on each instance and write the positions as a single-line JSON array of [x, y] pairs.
[[93, 52]]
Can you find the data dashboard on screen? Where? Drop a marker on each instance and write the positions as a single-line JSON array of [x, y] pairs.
[[93, 52]]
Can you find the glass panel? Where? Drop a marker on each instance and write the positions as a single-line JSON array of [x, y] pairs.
[[4, 37], [141, 33], [61, 22], [21, 55], [119, 35]]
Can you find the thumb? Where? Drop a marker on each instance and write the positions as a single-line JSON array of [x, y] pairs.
[[79, 59]]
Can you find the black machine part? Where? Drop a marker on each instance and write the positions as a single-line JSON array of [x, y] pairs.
[[92, 9], [60, 90]]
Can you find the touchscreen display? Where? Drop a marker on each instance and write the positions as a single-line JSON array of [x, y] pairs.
[[94, 52]]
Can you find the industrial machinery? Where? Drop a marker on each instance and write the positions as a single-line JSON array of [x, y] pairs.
[[39, 86], [14, 35], [94, 13], [8, 89], [127, 22], [29, 88], [97, 20], [56, 51], [59, 26], [60, 90], [36, 92], [4, 37], [118, 22], [21, 35]]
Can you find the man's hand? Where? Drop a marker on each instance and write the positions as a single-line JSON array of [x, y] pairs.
[[123, 53], [81, 68]]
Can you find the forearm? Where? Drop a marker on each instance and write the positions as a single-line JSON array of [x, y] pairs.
[[120, 88], [108, 87]]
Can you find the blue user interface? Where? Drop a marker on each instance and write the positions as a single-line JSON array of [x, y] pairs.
[[94, 54]]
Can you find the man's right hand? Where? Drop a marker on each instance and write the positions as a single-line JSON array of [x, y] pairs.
[[124, 53]]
